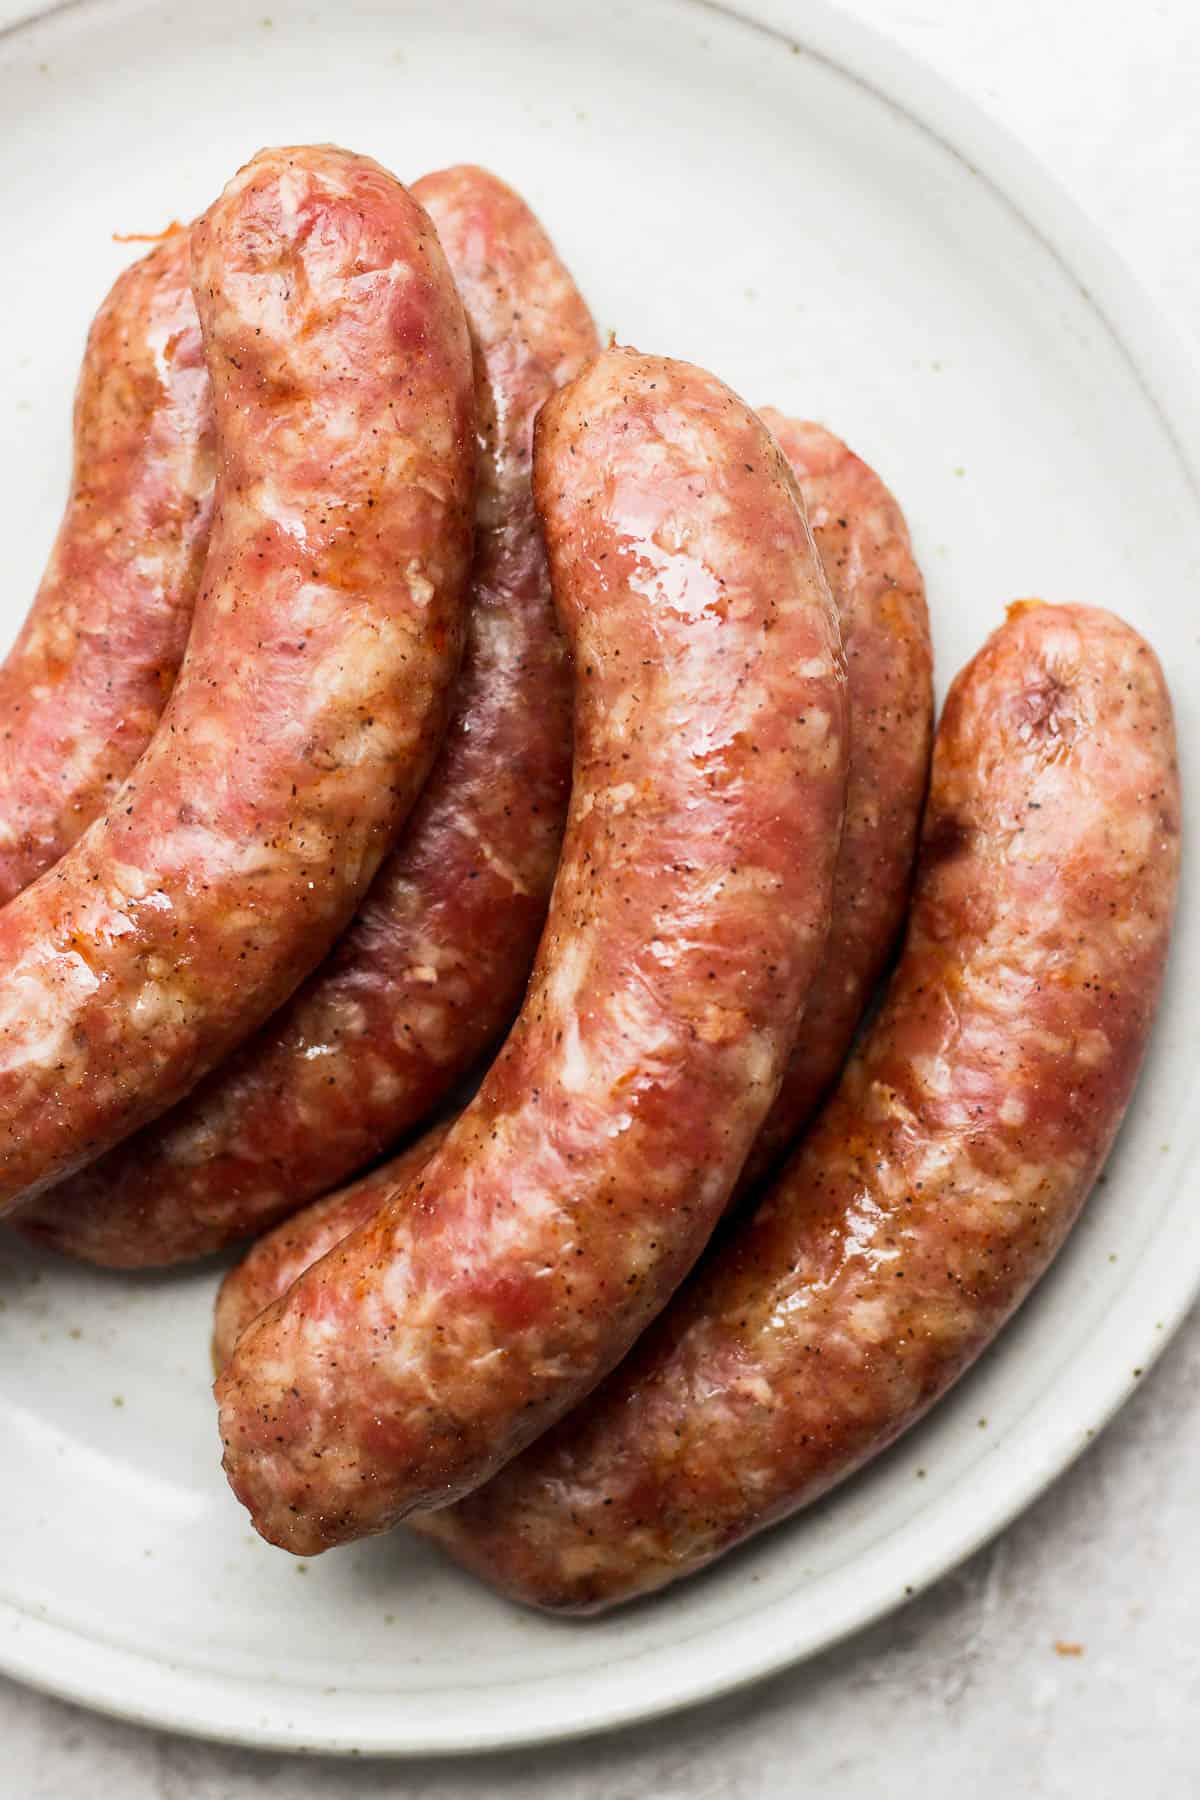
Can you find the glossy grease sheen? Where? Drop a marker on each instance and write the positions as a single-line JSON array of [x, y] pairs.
[[689, 914]]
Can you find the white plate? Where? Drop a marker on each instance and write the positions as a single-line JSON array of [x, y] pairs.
[[795, 204]]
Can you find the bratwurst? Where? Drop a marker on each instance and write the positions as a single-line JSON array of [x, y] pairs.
[[314, 688], [433, 968], [84, 685], [864, 545], [689, 913]]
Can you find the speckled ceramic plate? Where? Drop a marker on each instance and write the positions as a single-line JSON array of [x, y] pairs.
[[773, 192]]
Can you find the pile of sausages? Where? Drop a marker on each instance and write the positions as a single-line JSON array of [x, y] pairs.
[[418, 689]]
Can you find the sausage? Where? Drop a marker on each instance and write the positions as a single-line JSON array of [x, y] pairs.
[[944, 1174], [690, 909], [864, 546], [433, 968], [314, 687], [281, 1256], [83, 687]]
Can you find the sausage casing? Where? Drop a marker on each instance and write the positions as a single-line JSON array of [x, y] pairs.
[[432, 970], [941, 1179], [84, 685], [689, 912], [279, 1257], [314, 687], [864, 546]]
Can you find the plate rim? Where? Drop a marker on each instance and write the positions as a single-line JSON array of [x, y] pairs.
[[151, 1691]]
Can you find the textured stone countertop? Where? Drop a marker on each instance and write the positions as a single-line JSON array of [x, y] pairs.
[[962, 1691]]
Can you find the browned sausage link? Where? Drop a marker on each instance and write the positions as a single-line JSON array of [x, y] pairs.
[[83, 687], [272, 1264], [863, 544], [314, 687], [433, 968], [945, 1172], [690, 909]]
